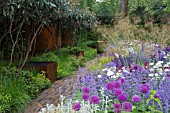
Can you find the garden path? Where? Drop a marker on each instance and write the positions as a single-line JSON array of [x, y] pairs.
[[65, 86], [52, 94]]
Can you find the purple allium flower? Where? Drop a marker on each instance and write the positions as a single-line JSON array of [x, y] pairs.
[[116, 84], [116, 106], [135, 67], [122, 97], [144, 88], [94, 100], [127, 106], [110, 86], [136, 98], [122, 80], [117, 111], [117, 91], [86, 90], [85, 96], [76, 106], [156, 95]]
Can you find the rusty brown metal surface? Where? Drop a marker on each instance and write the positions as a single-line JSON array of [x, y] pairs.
[[49, 67]]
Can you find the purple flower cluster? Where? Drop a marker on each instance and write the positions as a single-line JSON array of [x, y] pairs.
[[112, 85], [127, 106], [85, 97], [136, 99], [134, 83], [86, 90], [122, 97], [117, 107], [144, 88], [76, 106], [117, 92], [94, 100]]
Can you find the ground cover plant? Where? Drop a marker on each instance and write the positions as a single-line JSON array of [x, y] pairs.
[[17, 91], [135, 87]]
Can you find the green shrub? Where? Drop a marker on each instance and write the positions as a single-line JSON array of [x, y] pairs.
[[89, 53], [88, 37], [50, 56], [17, 91]]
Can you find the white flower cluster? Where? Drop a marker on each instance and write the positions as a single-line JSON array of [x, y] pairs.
[[86, 107], [159, 68]]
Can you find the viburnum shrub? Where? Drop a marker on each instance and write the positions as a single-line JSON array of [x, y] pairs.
[[125, 88]]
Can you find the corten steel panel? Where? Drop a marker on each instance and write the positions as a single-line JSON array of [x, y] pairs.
[[67, 38], [49, 67], [46, 39]]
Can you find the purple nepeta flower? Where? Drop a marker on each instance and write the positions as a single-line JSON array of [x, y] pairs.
[[168, 49], [116, 106], [86, 90], [136, 98], [117, 91], [110, 86], [122, 97], [85, 96], [76, 106], [127, 106], [144, 88], [116, 84], [122, 80], [94, 100]]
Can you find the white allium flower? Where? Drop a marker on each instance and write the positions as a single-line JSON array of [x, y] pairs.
[[151, 64], [167, 70], [160, 62], [151, 69], [110, 73], [99, 76], [123, 68], [112, 68], [114, 77], [159, 69], [156, 74], [151, 75], [118, 74], [155, 67], [166, 65], [126, 71], [105, 69]]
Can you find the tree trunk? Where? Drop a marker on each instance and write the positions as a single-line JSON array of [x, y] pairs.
[[124, 7]]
